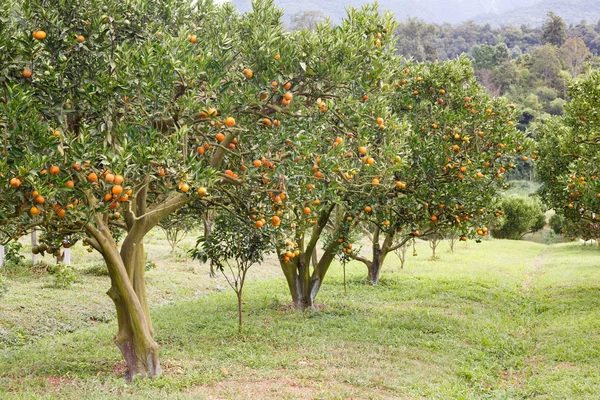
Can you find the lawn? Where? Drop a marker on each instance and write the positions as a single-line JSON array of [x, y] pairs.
[[495, 320]]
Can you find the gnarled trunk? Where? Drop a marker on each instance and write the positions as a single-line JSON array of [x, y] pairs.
[[304, 285]]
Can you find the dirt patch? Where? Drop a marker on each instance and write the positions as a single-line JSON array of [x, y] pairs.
[[536, 272], [119, 368]]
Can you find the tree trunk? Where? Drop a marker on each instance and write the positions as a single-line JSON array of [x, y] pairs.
[[1, 255], [239, 299], [135, 332]]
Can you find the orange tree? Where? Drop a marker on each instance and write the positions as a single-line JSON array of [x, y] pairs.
[[569, 156], [460, 142], [327, 104]]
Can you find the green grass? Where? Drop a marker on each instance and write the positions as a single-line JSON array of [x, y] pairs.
[[495, 320]]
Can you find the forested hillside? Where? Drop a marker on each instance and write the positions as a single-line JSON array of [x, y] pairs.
[[494, 12]]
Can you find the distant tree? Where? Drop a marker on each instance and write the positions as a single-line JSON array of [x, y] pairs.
[[557, 222], [484, 56], [502, 53], [521, 215], [306, 19], [553, 30], [414, 39], [505, 75], [574, 53], [546, 64]]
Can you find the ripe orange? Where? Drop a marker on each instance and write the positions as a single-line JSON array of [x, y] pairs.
[[275, 220], [248, 73], [34, 210], [39, 35], [434, 218], [379, 121], [266, 121], [230, 121], [258, 224], [54, 170], [118, 179], [27, 74], [368, 209], [193, 39], [287, 86], [288, 96], [362, 150], [110, 178], [306, 210], [375, 182], [370, 161], [70, 184], [184, 187], [416, 233], [108, 197], [202, 191], [80, 38], [124, 197], [15, 182], [220, 137], [117, 190], [39, 200], [257, 163]]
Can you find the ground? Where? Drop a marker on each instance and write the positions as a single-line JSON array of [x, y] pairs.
[[494, 320]]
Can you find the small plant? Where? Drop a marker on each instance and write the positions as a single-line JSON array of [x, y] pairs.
[[3, 286], [233, 247], [149, 265], [64, 275], [97, 269]]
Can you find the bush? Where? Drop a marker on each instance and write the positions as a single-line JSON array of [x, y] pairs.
[[97, 269], [521, 215], [64, 275], [557, 222], [3, 286]]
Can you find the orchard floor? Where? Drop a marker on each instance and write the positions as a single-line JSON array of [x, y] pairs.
[[495, 320]]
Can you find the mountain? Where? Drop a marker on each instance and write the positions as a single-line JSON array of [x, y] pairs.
[[572, 11], [495, 12]]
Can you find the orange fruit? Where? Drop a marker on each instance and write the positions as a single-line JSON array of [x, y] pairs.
[[110, 178], [39, 35], [54, 170], [306, 210], [257, 163], [202, 191], [70, 184], [118, 179], [108, 197], [220, 137], [34, 210], [193, 39], [117, 190], [39, 200], [368, 209], [27, 74], [362, 150], [275, 220], [287, 86], [184, 187], [15, 182], [379, 121], [375, 182], [92, 177], [248, 73], [80, 38], [288, 96], [258, 224], [230, 121]]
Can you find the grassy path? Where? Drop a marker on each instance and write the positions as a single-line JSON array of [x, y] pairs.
[[498, 320]]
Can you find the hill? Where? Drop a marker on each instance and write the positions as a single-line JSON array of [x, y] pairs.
[[572, 11], [495, 12]]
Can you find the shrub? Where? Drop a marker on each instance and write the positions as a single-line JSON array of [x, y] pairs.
[[557, 222], [521, 215], [64, 275]]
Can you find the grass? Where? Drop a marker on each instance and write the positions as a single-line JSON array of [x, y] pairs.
[[495, 320]]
